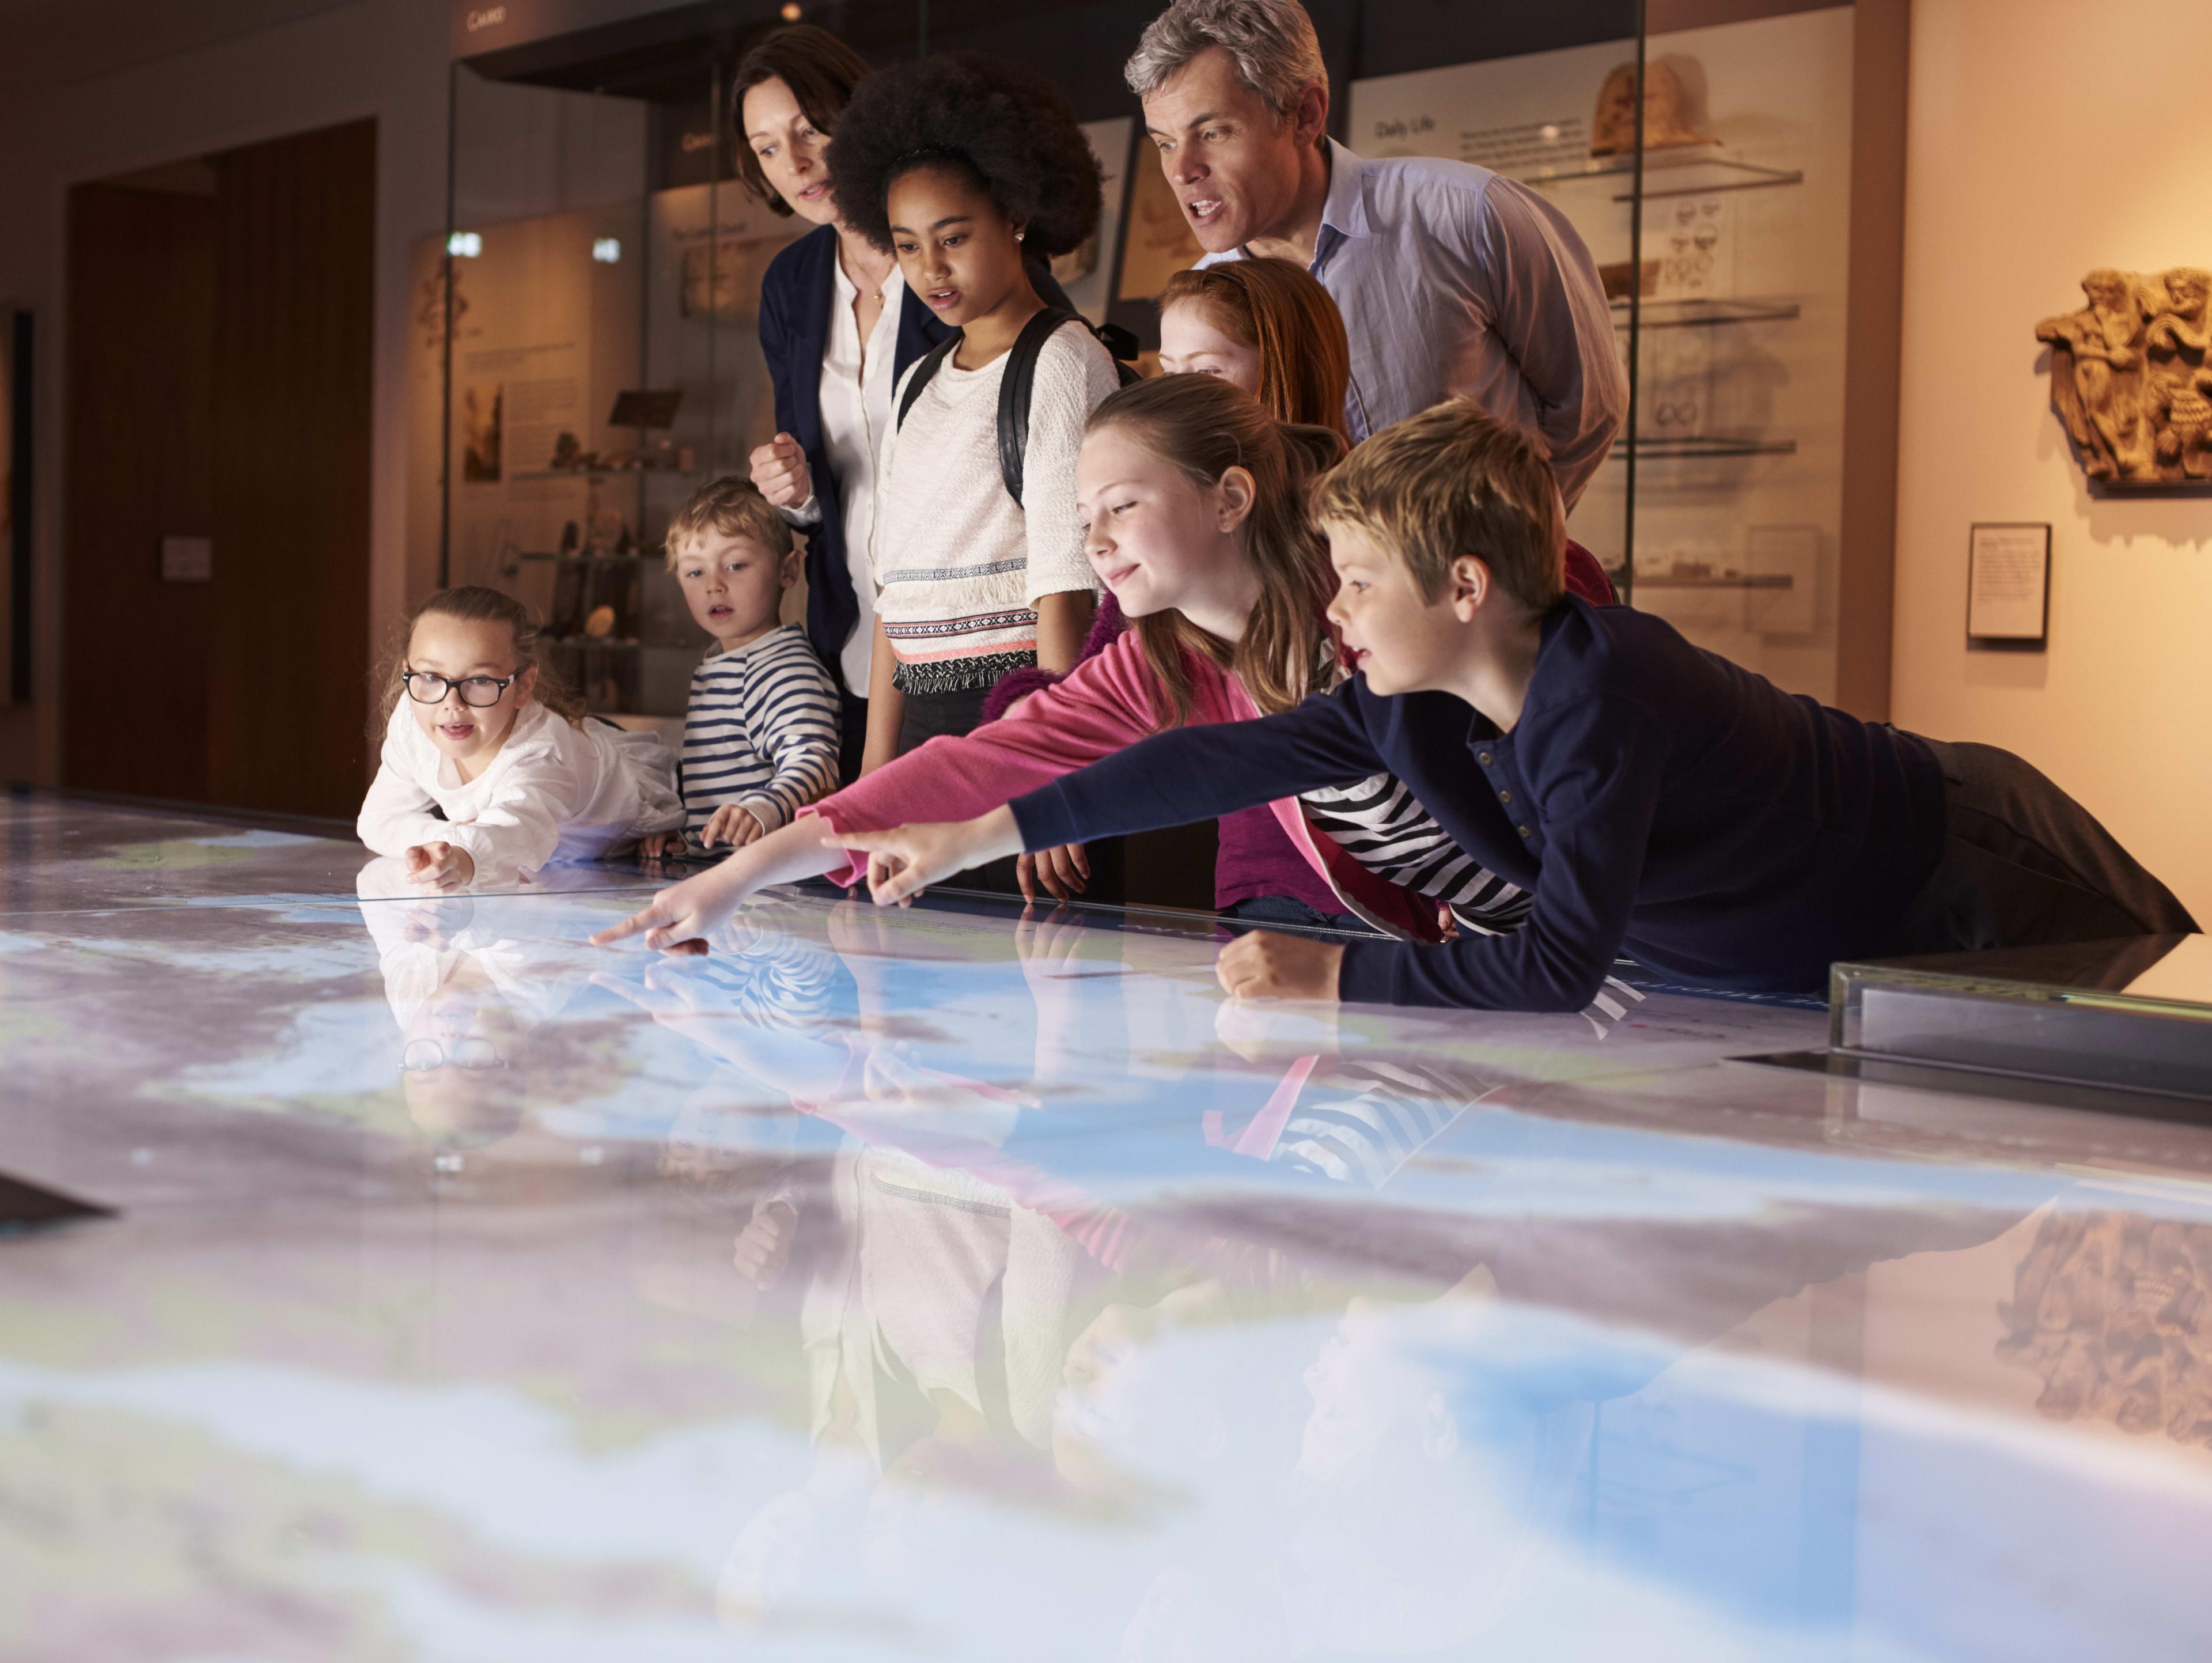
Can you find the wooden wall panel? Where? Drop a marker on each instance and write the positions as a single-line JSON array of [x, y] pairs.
[[294, 326], [141, 336]]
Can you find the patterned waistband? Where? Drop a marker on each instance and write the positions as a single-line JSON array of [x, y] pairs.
[[958, 675]]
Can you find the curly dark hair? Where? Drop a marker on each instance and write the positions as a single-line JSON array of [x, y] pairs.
[[1006, 128]]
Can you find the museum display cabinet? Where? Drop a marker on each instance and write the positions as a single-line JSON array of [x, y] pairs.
[[585, 350], [1723, 240]]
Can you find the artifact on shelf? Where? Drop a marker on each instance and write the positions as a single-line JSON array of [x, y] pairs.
[[568, 452], [1077, 263], [2131, 376], [1668, 119], [571, 590], [1618, 277], [1695, 240], [600, 624]]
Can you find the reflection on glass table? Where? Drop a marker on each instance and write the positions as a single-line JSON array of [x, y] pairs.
[[953, 1283]]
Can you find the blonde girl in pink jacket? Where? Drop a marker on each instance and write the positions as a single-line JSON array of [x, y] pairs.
[[1193, 500]]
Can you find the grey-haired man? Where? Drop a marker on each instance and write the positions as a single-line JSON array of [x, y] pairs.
[[1451, 278]]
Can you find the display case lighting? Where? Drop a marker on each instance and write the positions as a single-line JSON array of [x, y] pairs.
[[465, 245], [606, 250]]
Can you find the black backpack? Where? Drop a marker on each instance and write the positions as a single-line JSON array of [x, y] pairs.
[[1015, 390]]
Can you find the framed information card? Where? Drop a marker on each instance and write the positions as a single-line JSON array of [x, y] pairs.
[[2008, 587]]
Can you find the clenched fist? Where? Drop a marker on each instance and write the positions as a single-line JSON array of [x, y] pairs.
[[1266, 966], [779, 469], [440, 866]]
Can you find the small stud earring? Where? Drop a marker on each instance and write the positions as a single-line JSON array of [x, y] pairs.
[[1018, 235]]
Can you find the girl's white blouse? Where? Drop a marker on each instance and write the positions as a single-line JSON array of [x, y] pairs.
[[553, 792]]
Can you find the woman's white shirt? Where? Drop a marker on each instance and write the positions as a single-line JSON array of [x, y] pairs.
[[857, 381]]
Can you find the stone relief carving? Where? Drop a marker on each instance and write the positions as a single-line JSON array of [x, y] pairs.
[[2131, 376]]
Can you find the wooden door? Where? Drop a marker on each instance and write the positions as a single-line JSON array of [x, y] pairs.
[[288, 664], [140, 341]]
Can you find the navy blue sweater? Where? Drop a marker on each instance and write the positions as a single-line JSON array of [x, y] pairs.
[[1655, 798]]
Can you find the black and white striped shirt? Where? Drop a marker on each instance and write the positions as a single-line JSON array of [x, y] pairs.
[[1383, 827], [1357, 1121], [761, 732], [1379, 824]]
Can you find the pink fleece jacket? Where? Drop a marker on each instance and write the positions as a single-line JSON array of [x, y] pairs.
[[1102, 705]]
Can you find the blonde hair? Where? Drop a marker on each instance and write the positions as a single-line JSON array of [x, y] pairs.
[[1281, 310], [1452, 481], [472, 605], [1204, 427], [733, 506]]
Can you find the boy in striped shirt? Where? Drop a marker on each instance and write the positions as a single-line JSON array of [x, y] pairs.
[[760, 736]]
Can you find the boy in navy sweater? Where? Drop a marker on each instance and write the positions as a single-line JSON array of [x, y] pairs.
[[1657, 800]]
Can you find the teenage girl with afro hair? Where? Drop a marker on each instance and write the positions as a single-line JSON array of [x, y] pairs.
[[961, 166]]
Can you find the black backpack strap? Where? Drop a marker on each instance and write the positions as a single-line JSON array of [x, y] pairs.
[[1125, 347], [1015, 388], [1014, 391], [925, 366]]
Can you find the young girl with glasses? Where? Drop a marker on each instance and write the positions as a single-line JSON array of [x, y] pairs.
[[490, 769]]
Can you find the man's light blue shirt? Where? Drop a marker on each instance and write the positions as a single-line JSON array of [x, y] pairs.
[[1452, 279]]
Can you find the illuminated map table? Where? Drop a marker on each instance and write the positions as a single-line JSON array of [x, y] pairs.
[[946, 1284]]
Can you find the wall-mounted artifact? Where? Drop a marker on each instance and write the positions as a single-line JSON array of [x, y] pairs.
[[2131, 376], [1667, 112], [1161, 241]]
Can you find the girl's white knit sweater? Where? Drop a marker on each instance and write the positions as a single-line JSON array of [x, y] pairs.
[[960, 564], [554, 791]]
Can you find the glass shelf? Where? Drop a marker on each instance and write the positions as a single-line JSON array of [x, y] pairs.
[[1692, 171], [585, 644], [586, 560], [597, 474], [1719, 580], [1672, 450], [1705, 315]]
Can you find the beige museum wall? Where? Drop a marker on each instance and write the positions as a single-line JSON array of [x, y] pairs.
[[385, 59], [2047, 137]]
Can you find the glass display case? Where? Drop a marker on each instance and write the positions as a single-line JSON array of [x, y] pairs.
[[1723, 241], [2134, 1015], [585, 351]]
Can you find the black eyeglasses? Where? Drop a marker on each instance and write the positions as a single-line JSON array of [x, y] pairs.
[[477, 692], [427, 1056]]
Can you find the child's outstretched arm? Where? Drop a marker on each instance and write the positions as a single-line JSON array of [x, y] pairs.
[[1192, 774], [790, 707], [682, 916], [905, 860], [1169, 780], [395, 816], [517, 829]]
